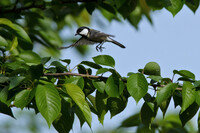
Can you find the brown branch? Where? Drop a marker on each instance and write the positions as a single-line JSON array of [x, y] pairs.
[[75, 74]]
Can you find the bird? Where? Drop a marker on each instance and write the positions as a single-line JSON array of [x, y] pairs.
[[91, 36]]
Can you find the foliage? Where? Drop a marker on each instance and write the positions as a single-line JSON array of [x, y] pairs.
[[26, 81]]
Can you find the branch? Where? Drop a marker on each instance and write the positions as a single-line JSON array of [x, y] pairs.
[[76, 74]]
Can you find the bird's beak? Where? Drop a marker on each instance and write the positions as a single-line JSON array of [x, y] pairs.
[[76, 34]]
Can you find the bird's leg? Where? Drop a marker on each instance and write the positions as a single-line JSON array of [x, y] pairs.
[[99, 46]]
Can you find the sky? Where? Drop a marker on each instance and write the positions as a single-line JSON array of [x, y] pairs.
[[172, 42]]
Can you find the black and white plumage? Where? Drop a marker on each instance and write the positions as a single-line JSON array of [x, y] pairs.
[[91, 36]]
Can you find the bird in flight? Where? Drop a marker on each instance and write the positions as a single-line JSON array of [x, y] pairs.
[[91, 36]]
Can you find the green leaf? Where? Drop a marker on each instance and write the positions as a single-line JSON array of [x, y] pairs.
[[164, 105], [30, 57], [185, 73], [197, 100], [91, 64], [155, 78], [174, 6], [76, 80], [101, 100], [23, 98], [198, 121], [188, 114], [188, 95], [99, 85], [131, 121], [165, 92], [3, 78], [137, 86], [5, 109], [3, 42], [104, 70], [148, 113], [78, 97], [36, 71], [116, 105], [192, 4], [48, 102], [4, 95], [106, 60], [15, 29], [64, 122], [45, 60], [59, 66], [127, 7], [14, 43], [68, 61], [15, 81], [112, 86]]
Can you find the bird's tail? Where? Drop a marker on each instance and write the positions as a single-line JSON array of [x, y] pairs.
[[65, 47], [115, 42]]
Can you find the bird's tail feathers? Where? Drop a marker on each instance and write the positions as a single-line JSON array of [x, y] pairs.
[[65, 47], [115, 42]]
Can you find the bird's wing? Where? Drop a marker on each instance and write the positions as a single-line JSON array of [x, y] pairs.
[[102, 33], [81, 41]]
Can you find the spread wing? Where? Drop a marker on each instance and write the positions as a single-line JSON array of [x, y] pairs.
[[81, 41]]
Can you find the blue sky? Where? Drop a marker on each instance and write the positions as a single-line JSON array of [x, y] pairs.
[[172, 42]]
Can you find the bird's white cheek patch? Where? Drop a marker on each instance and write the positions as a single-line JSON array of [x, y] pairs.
[[84, 32]]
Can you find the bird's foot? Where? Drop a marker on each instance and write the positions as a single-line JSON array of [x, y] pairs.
[[99, 48]]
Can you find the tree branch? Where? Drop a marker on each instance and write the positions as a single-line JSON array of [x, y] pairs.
[[76, 74]]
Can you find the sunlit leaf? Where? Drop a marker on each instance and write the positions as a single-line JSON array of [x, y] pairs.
[[48, 102]]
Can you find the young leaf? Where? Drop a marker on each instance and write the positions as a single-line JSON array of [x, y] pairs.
[[78, 97], [106, 60], [76, 80], [174, 6], [48, 102], [15, 81], [101, 100], [137, 86], [99, 85], [188, 95], [30, 57], [188, 114], [165, 92]]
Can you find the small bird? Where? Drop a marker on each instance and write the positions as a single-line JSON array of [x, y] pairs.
[[91, 36]]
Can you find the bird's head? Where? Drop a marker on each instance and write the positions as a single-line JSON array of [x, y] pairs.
[[83, 31]]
